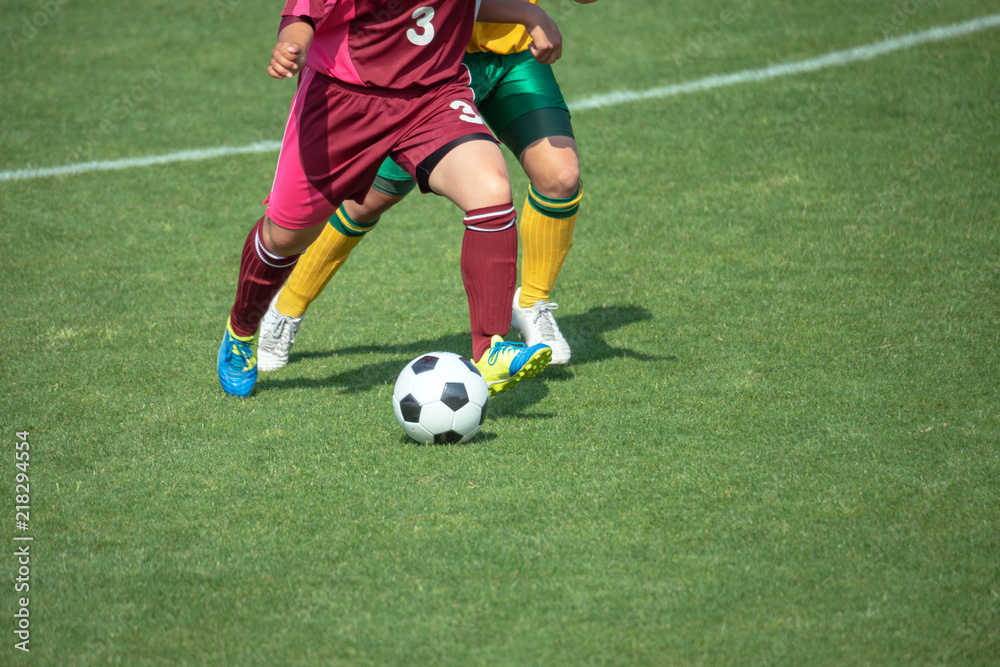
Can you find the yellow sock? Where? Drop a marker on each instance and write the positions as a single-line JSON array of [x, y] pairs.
[[546, 235], [320, 262]]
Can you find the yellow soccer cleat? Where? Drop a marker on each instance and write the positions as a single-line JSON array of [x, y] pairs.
[[505, 364]]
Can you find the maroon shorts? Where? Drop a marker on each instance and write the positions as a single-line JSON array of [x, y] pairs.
[[338, 134]]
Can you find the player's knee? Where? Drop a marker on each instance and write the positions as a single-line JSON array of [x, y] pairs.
[[362, 213], [494, 190], [285, 242], [559, 183]]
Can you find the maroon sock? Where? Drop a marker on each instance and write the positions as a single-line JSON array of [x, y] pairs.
[[489, 271], [262, 274]]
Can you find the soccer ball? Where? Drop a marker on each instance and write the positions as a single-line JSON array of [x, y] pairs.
[[440, 397]]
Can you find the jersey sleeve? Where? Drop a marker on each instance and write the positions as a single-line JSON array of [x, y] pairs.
[[314, 9]]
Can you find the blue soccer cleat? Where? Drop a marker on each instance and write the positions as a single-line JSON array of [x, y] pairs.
[[505, 364], [237, 364]]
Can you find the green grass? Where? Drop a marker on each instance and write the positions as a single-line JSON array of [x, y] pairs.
[[777, 442]]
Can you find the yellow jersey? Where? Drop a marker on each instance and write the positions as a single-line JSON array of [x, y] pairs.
[[500, 38]]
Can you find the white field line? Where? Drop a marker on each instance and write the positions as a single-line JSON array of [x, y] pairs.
[[129, 163], [833, 59]]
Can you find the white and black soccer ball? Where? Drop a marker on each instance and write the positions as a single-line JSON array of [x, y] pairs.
[[440, 397]]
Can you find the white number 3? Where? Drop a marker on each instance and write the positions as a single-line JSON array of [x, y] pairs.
[[469, 115], [423, 16]]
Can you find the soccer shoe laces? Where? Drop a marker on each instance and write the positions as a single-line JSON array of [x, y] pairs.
[[286, 330], [501, 348], [542, 318], [243, 351]]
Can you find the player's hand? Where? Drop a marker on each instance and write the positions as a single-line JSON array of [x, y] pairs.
[[287, 59], [546, 40]]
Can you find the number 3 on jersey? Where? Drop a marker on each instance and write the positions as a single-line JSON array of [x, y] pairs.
[[469, 114], [423, 16]]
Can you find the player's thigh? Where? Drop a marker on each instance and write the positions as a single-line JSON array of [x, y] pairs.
[[525, 103], [473, 175], [447, 147]]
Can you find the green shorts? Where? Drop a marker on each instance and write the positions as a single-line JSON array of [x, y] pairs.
[[518, 97], [393, 180]]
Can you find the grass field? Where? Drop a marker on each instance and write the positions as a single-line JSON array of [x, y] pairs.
[[777, 443]]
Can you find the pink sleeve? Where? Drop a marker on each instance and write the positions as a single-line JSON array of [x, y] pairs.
[[314, 9]]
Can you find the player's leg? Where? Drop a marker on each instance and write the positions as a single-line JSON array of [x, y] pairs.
[[321, 262], [548, 220], [346, 229], [473, 175], [306, 191], [340, 236], [270, 252], [531, 117]]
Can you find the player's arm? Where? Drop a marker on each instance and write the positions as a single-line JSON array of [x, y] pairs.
[[546, 41], [288, 56]]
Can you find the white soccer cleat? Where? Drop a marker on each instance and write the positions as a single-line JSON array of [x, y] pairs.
[[274, 342], [536, 325]]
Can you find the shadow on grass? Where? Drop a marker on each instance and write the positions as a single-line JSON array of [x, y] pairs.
[[584, 333]]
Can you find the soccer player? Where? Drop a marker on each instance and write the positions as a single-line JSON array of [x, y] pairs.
[[521, 101], [385, 79]]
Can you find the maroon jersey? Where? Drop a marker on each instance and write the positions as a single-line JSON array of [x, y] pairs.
[[394, 44]]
